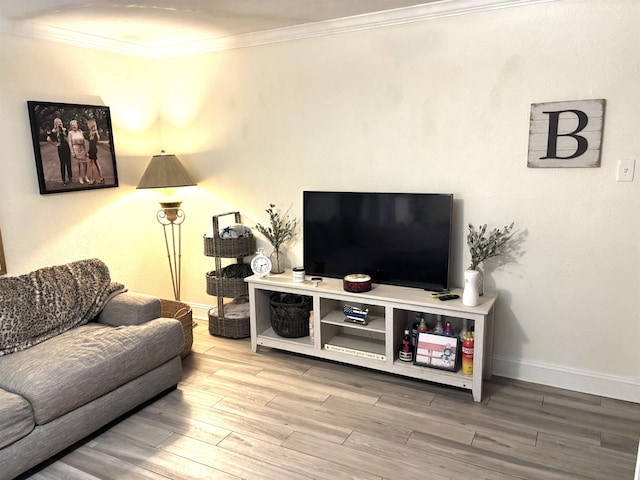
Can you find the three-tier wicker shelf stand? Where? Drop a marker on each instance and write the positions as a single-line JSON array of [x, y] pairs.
[[230, 326]]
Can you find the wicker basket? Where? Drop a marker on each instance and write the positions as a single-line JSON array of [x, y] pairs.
[[289, 314], [235, 321], [180, 311], [228, 247], [226, 287]]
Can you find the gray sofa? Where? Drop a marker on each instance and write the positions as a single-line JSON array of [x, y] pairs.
[[58, 391]]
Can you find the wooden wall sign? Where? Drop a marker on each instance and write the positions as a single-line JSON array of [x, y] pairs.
[[566, 134], [3, 265]]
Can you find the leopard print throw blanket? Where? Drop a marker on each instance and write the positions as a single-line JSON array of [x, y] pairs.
[[44, 303]]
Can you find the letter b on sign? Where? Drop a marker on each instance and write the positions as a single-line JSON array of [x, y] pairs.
[[566, 134]]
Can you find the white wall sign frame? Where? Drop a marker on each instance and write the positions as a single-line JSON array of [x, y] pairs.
[[566, 134]]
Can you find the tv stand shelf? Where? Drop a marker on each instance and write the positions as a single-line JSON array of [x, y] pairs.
[[374, 345]]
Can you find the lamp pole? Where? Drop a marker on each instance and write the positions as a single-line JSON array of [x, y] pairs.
[[171, 215]]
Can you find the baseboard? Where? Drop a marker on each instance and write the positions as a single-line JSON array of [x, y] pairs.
[[200, 311], [612, 386]]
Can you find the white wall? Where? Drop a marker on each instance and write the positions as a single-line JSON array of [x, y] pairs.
[[437, 106]]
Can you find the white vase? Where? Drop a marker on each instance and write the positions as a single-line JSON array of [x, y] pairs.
[[471, 292]]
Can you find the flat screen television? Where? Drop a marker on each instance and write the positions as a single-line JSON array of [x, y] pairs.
[[396, 238]]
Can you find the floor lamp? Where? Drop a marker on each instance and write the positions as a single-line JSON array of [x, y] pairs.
[[166, 171]]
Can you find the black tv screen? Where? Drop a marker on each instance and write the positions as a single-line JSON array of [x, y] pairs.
[[396, 238]]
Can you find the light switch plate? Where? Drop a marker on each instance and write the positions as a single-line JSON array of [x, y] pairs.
[[625, 170]]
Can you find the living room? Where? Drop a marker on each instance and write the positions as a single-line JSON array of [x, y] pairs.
[[434, 106]]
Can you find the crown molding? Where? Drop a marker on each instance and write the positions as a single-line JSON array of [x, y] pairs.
[[400, 16], [69, 37]]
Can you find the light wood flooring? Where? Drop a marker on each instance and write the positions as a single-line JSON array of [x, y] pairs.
[[279, 416]]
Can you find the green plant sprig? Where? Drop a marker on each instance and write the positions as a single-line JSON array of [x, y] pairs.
[[281, 228], [482, 247]]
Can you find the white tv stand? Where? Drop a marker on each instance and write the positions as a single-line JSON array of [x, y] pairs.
[[375, 345]]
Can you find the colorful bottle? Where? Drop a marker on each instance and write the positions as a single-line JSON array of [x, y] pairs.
[[414, 333], [439, 328], [465, 329], [422, 326], [406, 348], [415, 328], [448, 330], [467, 354]]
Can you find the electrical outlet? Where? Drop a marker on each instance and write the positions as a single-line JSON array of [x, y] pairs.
[[625, 170]]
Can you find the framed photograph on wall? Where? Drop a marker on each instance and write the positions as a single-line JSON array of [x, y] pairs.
[[73, 146], [3, 263]]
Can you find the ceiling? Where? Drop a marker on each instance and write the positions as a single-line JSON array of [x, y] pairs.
[[155, 28]]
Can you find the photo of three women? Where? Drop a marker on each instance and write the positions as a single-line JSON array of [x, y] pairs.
[[71, 143]]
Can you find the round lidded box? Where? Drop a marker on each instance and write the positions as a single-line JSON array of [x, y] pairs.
[[356, 283], [298, 274]]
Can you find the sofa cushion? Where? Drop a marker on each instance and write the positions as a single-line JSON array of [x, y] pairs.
[[130, 308], [16, 418], [84, 363]]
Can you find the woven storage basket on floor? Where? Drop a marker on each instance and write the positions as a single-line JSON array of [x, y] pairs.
[[289, 314], [234, 323], [180, 311], [226, 287]]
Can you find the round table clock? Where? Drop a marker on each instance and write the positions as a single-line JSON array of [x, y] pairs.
[[261, 264]]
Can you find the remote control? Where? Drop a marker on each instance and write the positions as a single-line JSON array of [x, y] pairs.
[[448, 297], [440, 294]]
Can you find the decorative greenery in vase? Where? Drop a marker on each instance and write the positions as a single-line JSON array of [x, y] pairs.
[[483, 247], [280, 231]]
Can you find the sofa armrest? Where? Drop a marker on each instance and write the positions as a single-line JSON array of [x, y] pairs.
[[130, 308]]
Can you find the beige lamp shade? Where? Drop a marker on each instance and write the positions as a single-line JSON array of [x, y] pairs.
[[165, 171]]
